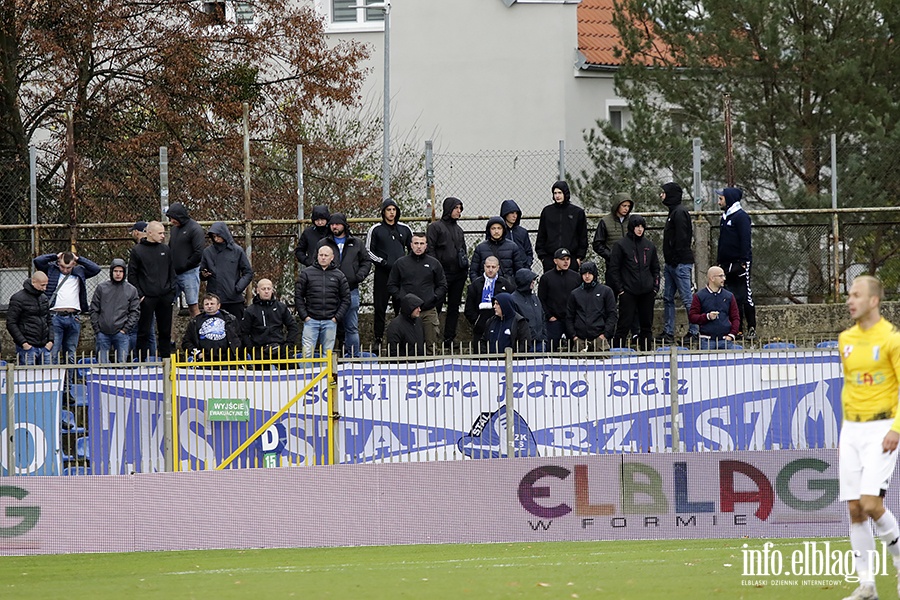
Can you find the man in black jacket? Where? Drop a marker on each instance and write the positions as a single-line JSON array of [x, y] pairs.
[[506, 329], [447, 243], [553, 292], [679, 258], [226, 269], [591, 314], [497, 243], [322, 296], [308, 244], [152, 271], [421, 274], [353, 259], [28, 321], [186, 241], [634, 278], [480, 296], [562, 225], [386, 242], [268, 329], [405, 334]]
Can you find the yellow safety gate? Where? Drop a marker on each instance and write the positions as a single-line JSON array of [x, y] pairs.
[[277, 411]]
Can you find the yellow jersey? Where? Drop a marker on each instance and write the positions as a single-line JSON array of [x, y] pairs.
[[871, 361]]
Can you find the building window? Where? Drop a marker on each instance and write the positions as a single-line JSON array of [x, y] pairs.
[[615, 118], [345, 13], [216, 10], [243, 13]]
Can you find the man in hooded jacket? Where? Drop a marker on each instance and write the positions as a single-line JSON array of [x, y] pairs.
[[634, 278], [506, 329], [305, 252], [386, 242], [497, 243], [405, 333], [447, 243], [562, 225], [115, 310], [528, 304], [226, 269], [186, 241], [612, 227], [735, 254], [512, 216], [679, 258]]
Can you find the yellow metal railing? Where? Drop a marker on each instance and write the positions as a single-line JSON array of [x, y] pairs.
[[272, 379]]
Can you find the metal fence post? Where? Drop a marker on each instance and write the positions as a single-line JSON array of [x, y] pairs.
[[10, 418], [168, 427], [508, 394], [300, 190], [333, 414], [429, 177], [562, 160], [163, 181], [32, 181], [835, 225], [673, 376], [697, 152]]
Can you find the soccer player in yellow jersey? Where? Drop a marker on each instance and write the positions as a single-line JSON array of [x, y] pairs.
[[870, 354]]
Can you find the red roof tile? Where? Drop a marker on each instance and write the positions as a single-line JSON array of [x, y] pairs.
[[597, 37]]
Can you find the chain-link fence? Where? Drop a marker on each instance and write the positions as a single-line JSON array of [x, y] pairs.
[[795, 256]]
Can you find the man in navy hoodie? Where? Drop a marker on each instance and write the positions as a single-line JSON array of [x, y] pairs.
[[512, 215], [735, 254]]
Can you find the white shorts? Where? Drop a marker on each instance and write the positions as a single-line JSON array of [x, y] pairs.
[[865, 469]]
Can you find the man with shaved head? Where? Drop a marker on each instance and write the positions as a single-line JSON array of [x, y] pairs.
[[152, 271], [867, 448], [268, 328], [28, 321], [715, 310]]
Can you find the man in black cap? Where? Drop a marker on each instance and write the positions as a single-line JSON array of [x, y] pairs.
[[591, 314], [352, 258], [138, 231], [553, 291]]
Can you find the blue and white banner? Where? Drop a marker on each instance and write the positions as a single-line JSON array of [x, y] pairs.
[[457, 409], [128, 415], [36, 431]]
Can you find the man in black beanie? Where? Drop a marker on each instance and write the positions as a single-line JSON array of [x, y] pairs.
[[591, 314]]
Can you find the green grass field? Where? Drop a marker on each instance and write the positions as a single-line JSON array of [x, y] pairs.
[[673, 570]]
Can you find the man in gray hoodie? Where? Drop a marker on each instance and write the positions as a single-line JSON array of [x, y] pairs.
[[226, 269], [115, 310]]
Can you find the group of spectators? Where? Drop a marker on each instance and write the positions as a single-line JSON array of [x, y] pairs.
[[420, 275]]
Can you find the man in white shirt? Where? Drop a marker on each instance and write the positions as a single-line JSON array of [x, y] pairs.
[[67, 294]]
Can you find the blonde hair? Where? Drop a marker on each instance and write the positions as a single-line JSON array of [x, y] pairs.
[[876, 288]]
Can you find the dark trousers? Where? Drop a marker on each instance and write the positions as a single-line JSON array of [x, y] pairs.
[[631, 305], [738, 283], [555, 331], [381, 299], [455, 287], [161, 306], [236, 309]]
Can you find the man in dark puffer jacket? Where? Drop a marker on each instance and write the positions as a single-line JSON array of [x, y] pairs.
[[322, 297], [496, 243], [28, 321]]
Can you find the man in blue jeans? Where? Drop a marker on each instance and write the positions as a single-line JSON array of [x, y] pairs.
[[67, 293], [679, 262], [322, 298], [353, 260], [115, 310]]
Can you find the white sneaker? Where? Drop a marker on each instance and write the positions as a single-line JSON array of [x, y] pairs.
[[865, 591]]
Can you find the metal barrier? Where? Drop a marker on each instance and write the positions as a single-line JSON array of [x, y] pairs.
[[183, 415]]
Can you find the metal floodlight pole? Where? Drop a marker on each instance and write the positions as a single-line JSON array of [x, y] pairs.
[[386, 117]]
